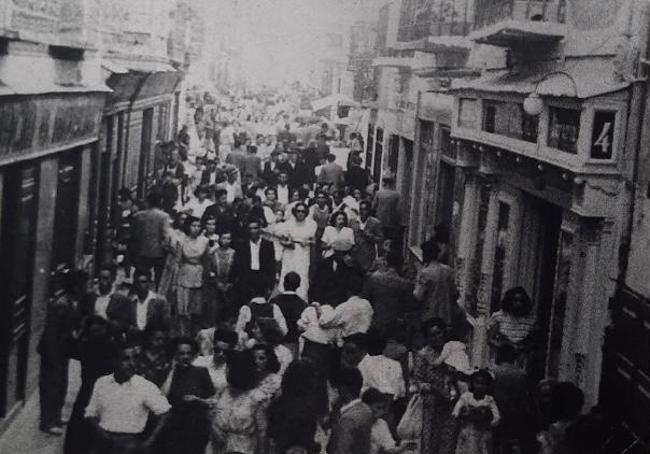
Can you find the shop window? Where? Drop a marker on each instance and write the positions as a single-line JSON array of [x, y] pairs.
[[563, 129], [467, 113], [509, 119]]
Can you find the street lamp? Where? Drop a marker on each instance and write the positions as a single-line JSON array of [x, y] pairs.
[[533, 104]]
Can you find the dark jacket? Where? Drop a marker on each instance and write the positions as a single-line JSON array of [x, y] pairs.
[[241, 267], [292, 307]]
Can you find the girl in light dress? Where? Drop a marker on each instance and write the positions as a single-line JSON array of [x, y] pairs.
[[190, 276], [478, 414], [168, 280]]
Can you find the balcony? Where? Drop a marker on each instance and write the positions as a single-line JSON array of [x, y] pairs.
[[512, 23]]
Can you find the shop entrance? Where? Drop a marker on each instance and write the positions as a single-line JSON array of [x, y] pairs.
[[19, 198], [541, 229]]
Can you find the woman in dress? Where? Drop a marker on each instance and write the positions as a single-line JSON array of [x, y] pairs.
[[219, 278], [168, 279], [267, 367], [337, 243], [190, 276], [436, 385], [239, 413], [155, 363], [297, 237]]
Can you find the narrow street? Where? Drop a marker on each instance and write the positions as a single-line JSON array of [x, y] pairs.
[[324, 227]]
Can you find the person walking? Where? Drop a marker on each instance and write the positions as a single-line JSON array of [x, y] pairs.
[[120, 405], [386, 206], [368, 234], [150, 228]]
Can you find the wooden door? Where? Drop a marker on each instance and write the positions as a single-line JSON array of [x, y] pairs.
[[65, 220], [19, 217]]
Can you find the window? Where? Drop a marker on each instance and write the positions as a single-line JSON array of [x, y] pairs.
[[467, 113], [602, 138], [426, 133], [564, 129], [446, 148], [509, 119]]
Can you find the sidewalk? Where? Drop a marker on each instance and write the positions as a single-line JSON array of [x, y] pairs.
[[23, 435]]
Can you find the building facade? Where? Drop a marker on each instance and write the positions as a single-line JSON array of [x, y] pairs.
[[51, 100], [88, 91], [545, 141]]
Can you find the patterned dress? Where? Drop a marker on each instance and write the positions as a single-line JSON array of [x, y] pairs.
[[439, 427], [237, 419]]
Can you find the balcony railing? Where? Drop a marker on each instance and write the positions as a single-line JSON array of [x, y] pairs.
[[490, 12], [414, 32]]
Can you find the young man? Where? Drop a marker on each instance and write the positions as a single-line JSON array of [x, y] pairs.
[[386, 206], [292, 307], [120, 405], [331, 172], [351, 430], [254, 266], [145, 308]]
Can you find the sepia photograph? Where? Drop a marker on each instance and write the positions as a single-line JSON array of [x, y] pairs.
[[324, 226]]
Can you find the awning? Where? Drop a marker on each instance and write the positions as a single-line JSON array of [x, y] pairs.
[[333, 100], [579, 79]]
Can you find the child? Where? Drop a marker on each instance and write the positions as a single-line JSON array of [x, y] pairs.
[[514, 323], [454, 354], [381, 439], [478, 414]]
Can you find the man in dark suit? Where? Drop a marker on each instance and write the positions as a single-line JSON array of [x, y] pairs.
[[221, 212], [271, 170], [254, 265], [144, 309]]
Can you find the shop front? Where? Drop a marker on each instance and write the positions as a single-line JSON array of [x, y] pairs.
[[47, 144], [542, 202]]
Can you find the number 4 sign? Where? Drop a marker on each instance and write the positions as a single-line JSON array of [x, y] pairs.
[[602, 138]]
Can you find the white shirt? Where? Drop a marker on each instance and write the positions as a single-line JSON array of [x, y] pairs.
[[255, 254], [245, 316], [196, 208], [231, 191], [283, 194], [101, 305], [383, 374], [312, 331], [217, 374], [141, 310], [124, 408], [339, 240], [352, 316], [285, 357], [381, 439]]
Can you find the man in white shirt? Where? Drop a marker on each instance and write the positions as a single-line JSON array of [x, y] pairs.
[[120, 405], [352, 316], [260, 308], [282, 190], [224, 342], [378, 371]]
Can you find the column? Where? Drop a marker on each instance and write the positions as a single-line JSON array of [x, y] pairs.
[[479, 349], [466, 237]]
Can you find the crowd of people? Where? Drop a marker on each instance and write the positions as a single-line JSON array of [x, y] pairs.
[[258, 303]]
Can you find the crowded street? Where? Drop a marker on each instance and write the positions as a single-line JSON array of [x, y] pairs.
[[324, 227]]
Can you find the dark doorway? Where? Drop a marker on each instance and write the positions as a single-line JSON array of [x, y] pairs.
[[19, 212], [379, 155]]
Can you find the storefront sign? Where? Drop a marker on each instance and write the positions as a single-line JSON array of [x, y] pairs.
[[602, 138], [33, 124]]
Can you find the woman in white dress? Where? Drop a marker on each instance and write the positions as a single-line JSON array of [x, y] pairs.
[[297, 236]]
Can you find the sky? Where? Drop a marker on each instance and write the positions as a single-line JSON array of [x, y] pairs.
[[281, 39]]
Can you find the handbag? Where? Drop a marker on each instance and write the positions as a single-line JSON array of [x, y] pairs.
[[410, 426]]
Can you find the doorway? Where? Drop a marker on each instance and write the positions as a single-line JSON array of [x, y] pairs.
[[379, 156], [19, 217]]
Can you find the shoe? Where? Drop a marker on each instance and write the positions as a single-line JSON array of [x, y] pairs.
[[54, 430], [63, 421]]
